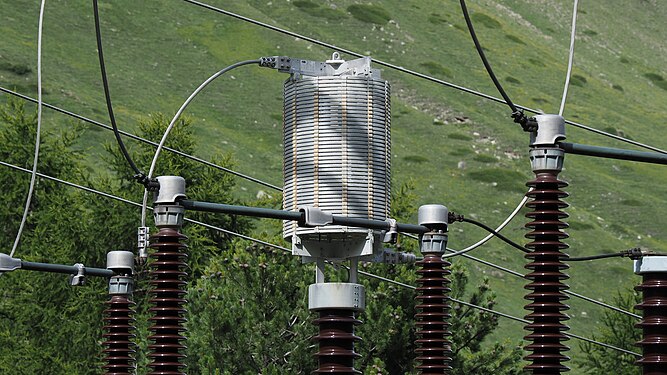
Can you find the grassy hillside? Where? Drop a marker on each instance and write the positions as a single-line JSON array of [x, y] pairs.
[[158, 52]]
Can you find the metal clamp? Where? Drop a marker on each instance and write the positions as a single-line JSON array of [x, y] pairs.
[[80, 277], [391, 235], [314, 217], [142, 241], [8, 263]]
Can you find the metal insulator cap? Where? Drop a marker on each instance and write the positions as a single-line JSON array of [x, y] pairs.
[[550, 129], [649, 264], [120, 261], [433, 214], [171, 189]]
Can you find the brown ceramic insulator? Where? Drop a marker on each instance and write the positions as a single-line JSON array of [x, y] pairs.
[[546, 327], [653, 323], [118, 327], [336, 340], [434, 352], [167, 303]]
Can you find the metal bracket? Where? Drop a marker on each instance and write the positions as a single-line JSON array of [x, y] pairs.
[[314, 217], [391, 235], [80, 277], [142, 241], [550, 129], [389, 256], [332, 67]]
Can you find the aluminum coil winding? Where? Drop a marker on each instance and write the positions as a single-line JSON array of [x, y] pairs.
[[337, 148]]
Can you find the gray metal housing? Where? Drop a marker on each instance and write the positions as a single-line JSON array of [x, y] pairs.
[[337, 155]]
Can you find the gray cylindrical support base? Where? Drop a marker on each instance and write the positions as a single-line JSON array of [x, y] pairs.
[[121, 285], [168, 216], [544, 159], [325, 296]]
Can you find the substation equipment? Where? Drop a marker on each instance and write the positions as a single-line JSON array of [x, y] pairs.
[[336, 204], [337, 156]]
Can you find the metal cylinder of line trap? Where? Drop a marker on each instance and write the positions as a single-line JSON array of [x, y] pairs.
[[336, 154]]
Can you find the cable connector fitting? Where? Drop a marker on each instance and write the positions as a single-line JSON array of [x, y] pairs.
[[314, 217], [151, 184], [454, 217], [391, 235], [142, 243], [280, 63], [80, 277], [397, 257], [636, 253], [528, 124]]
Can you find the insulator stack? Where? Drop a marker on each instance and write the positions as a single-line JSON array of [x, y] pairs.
[[653, 323], [118, 328], [546, 296], [336, 340], [434, 351], [167, 291]]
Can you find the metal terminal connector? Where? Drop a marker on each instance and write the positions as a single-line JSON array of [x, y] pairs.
[[79, 278], [332, 67], [121, 262], [314, 217], [142, 242], [8, 263], [172, 188], [391, 236], [550, 129], [167, 212], [389, 256], [433, 216], [397, 257]]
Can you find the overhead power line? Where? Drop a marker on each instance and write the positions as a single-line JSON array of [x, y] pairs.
[[410, 72], [173, 123], [570, 59], [138, 175], [111, 196], [504, 315], [35, 159], [140, 139], [520, 275], [129, 135]]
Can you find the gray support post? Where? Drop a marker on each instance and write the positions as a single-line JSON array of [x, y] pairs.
[[167, 273], [118, 322], [653, 270], [546, 327], [433, 347]]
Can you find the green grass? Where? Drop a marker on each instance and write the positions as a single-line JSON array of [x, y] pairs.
[[316, 10], [158, 53], [370, 13], [435, 68], [503, 179], [486, 20]]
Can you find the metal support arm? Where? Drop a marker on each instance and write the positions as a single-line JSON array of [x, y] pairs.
[[298, 216], [9, 264], [613, 153]]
